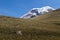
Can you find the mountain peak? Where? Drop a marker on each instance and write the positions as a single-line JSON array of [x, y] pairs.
[[37, 11]]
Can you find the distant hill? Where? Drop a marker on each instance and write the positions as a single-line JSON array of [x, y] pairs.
[[43, 27]]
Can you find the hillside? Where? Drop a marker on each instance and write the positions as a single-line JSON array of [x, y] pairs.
[[43, 27]]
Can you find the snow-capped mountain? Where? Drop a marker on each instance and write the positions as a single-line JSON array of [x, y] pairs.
[[37, 11]]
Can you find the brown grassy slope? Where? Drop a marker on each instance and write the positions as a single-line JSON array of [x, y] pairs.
[[50, 21], [43, 27]]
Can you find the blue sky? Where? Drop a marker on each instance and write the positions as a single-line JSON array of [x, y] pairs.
[[17, 8]]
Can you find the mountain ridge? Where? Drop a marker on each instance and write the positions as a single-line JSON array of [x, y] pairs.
[[37, 11]]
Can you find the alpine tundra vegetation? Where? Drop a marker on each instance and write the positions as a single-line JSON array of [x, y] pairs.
[[42, 27]]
